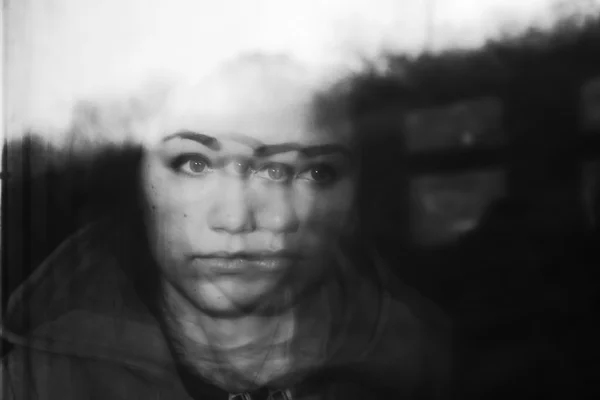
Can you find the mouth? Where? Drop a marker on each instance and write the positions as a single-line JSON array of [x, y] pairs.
[[245, 263]]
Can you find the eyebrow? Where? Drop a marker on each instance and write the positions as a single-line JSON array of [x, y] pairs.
[[262, 150], [206, 140], [306, 151]]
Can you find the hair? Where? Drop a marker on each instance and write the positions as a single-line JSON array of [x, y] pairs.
[[361, 101]]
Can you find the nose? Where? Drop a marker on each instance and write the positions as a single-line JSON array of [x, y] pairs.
[[231, 211], [277, 213]]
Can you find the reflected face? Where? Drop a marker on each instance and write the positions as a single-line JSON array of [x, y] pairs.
[[244, 204]]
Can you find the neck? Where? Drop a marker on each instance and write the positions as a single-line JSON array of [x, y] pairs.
[[225, 332], [242, 353]]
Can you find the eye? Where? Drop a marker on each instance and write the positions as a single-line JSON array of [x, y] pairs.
[[240, 167], [276, 172], [191, 164], [322, 174]]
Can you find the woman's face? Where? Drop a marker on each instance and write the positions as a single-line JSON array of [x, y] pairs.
[[245, 195]]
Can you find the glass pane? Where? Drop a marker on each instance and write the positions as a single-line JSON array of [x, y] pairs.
[[590, 191], [447, 206], [590, 105], [469, 123]]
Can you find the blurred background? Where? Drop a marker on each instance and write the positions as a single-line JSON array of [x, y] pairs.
[[494, 192]]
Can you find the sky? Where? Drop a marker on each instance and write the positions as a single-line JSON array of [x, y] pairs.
[[60, 51]]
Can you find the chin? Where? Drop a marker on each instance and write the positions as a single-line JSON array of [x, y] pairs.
[[231, 299]]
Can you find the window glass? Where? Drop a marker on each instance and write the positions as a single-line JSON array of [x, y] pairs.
[[590, 105], [466, 124], [443, 207], [590, 191]]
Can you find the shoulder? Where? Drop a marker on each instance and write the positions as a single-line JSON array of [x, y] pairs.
[[75, 255], [410, 338], [81, 273], [34, 374], [51, 317]]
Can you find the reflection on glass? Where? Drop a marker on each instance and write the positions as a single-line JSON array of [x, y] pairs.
[[590, 190], [447, 206], [470, 123], [590, 105]]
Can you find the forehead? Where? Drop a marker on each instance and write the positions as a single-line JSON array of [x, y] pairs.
[[269, 102]]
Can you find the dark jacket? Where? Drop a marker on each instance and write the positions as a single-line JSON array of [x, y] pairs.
[[81, 331]]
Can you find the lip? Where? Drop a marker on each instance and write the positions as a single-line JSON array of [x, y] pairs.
[[246, 263]]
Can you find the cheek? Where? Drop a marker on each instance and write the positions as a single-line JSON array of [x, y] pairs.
[[171, 206], [170, 195]]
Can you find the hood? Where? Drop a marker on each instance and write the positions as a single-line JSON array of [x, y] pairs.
[[80, 302]]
